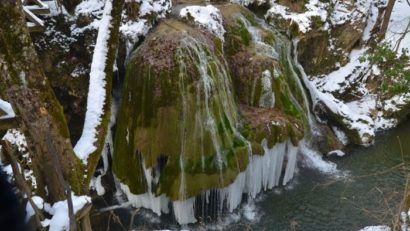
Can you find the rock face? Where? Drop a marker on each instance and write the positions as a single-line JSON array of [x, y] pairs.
[[325, 40], [319, 56], [190, 121], [66, 62]]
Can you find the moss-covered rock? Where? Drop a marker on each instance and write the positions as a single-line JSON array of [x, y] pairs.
[[179, 116], [179, 119], [256, 62]]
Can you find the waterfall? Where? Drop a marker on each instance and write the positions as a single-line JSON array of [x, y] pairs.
[[207, 110], [270, 51], [263, 173]]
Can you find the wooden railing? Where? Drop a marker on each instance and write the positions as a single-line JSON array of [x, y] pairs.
[[33, 8]]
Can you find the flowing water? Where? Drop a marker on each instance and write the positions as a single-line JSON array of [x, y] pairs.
[[368, 195]]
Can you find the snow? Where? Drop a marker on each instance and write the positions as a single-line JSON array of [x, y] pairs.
[[59, 211], [321, 89], [18, 139], [339, 153], [314, 8], [96, 184], [6, 107], [89, 7], [376, 228], [342, 78], [371, 21], [54, 7], [131, 29], [208, 17], [336, 13], [341, 136], [151, 6], [97, 92], [38, 201], [349, 11], [399, 21], [247, 2]]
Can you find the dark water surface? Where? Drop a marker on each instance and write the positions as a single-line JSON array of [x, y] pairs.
[[369, 195]]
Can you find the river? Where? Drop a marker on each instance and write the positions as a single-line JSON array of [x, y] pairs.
[[367, 191]]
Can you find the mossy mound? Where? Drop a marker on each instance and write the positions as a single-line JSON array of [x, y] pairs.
[[179, 115]]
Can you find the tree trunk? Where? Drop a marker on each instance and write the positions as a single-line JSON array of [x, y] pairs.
[[24, 85], [386, 19], [116, 12]]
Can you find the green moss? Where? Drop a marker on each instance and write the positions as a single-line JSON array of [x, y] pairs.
[[269, 38], [165, 116], [218, 44], [294, 30], [316, 22], [243, 33]]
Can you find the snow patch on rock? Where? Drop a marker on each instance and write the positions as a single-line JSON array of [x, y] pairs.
[[314, 8], [59, 211], [208, 17], [376, 228]]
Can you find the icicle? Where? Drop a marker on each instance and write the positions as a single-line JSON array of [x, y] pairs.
[[291, 164], [262, 173], [184, 211]]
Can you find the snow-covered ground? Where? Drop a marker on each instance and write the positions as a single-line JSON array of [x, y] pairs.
[[314, 8], [376, 228], [59, 220], [363, 112], [330, 14], [349, 11], [208, 17], [400, 22]]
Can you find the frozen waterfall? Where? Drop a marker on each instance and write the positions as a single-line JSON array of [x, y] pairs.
[[263, 172]]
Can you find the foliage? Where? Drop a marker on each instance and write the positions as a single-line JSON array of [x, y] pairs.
[[394, 67]]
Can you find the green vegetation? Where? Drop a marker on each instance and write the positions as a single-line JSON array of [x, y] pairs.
[[394, 68]]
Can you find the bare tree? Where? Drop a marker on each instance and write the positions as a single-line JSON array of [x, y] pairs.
[[386, 19]]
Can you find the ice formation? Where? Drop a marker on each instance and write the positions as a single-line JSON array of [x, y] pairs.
[[6, 107], [263, 172]]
